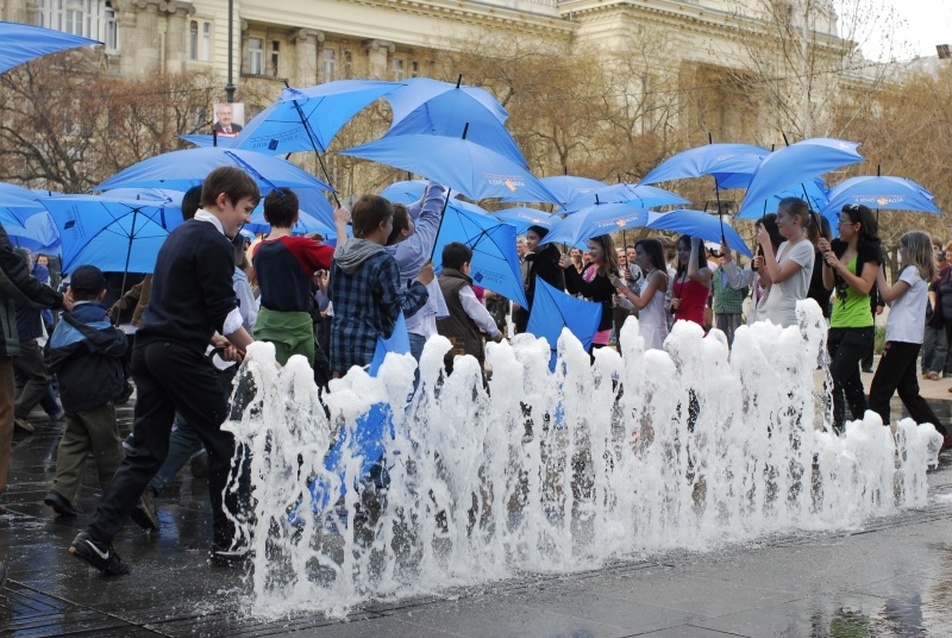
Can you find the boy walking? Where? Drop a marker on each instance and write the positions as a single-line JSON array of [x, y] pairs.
[[365, 286], [468, 318], [285, 266], [85, 351], [193, 303]]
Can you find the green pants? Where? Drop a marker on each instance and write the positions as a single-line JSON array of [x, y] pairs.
[[88, 431], [290, 332]]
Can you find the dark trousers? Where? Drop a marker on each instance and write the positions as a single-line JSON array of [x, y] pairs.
[[33, 378], [847, 347], [170, 377], [897, 371]]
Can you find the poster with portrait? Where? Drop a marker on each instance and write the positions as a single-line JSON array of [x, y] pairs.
[[229, 118]]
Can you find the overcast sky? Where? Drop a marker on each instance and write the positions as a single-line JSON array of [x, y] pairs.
[[926, 24]]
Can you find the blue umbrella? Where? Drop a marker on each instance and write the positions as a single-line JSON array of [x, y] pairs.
[[792, 165], [25, 42], [459, 164], [522, 218], [26, 221], [306, 223], [204, 140], [308, 119], [639, 194], [452, 112], [719, 160], [552, 310], [881, 193], [495, 264], [566, 187], [115, 235], [180, 170], [698, 224], [595, 221], [405, 192], [418, 91]]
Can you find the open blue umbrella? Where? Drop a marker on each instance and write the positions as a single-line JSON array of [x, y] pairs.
[[180, 170], [405, 192], [566, 187], [552, 310], [495, 264], [306, 223], [452, 112], [203, 140], [114, 235], [522, 218], [880, 193], [27, 223], [639, 194], [459, 164], [308, 119], [417, 92], [722, 161], [698, 224], [793, 165], [21, 43], [595, 221]]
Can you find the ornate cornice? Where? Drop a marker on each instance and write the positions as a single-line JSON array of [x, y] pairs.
[[303, 34], [165, 6]]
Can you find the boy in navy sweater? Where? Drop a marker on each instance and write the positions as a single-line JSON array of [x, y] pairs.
[[193, 303], [85, 351]]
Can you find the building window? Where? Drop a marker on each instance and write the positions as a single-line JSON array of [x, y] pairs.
[[328, 65], [255, 56], [206, 41], [193, 40], [398, 69], [94, 19], [414, 69], [275, 58]]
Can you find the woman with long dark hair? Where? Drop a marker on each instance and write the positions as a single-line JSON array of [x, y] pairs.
[[652, 315], [594, 282], [543, 263], [692, 281], [850, 264]]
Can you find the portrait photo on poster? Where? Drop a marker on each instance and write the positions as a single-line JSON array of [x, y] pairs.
[[229, 118]]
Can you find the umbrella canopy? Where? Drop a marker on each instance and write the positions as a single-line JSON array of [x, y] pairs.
[[553, 310], [27, 223], [203, 140], [522, 218], [638, 194], [594, 221], [180, 170], [881, 193], [453, 113], [495, 264], [417, 92], [308, 119], [795, 164], [462, 165], [25, 42], [566, 187], [405, 192], [114, 235], [698, 224], [306, 223], [723, 161]]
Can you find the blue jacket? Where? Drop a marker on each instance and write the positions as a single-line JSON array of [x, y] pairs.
[[85, 352]]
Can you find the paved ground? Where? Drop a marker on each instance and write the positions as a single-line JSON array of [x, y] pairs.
[[891, 578]]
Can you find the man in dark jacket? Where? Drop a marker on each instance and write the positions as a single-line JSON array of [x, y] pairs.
[[85, 352], [16, 284]]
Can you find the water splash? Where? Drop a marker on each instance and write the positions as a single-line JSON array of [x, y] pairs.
[[540, 471]]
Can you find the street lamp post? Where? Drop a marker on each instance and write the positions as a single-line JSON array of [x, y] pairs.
[[230, 87]]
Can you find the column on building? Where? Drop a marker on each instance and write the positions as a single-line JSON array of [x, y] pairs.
[[176, 39], [378, 52], [306, 47]]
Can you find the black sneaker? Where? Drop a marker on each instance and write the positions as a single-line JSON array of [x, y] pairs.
[[100, 555], [144, 513], [60, 504]]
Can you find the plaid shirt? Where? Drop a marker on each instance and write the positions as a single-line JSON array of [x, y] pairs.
[[366, 305]]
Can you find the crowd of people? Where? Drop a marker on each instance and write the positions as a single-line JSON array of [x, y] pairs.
[[212, 293]]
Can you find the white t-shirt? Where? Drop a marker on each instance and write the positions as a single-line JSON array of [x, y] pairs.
[[781, 304], [907, 315]]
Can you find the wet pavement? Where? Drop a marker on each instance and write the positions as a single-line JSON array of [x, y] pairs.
[[892, 577]]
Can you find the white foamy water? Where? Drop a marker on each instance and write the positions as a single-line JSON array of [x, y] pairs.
[[556, 472]]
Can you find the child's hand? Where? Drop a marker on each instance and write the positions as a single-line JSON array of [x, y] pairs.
[[426, 273], [341, 215]]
